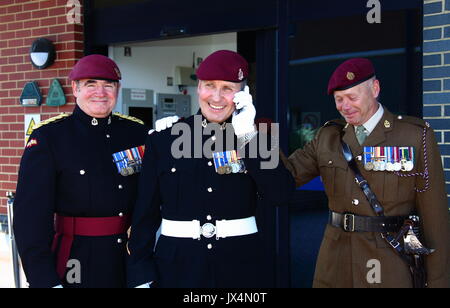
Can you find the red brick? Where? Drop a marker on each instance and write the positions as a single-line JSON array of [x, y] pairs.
[[8, 18], [31, 24], [4, 177], [8, 85], [47, 4], [8, 52], [10, 136], [16, 110], [4, 160], [8, 118], [57, 29], [13, 178], [16, 160], [39, 14], [7, 36], [23, 16], [57, 11], [24, 67], [16, 143], [40, 32], [15, 60], [16, 76], [18, 127], [48, 22], [23, 33], [15, 93], [15, 9], [9, 152], [31, 6], [15, 26], [24, 51], [15, 43], [9, 185], [33, 75]]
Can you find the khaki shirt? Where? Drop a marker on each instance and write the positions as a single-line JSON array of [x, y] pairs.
[[344, 258]]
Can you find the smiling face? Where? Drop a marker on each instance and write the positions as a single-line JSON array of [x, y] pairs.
[[359, 103], [97, 98], [216, 99]]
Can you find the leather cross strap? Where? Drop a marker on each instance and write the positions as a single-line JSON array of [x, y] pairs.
[[373, 201]]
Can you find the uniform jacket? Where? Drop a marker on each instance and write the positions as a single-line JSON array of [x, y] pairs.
[[68, 169], [189, 188], [343, 257]]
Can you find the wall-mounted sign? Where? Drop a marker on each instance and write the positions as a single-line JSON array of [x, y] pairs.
[[42, 53], [31, 95], [56, 95], [31, 120]]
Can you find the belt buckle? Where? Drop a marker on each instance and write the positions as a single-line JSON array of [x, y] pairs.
[[347, 224], [208, 230]]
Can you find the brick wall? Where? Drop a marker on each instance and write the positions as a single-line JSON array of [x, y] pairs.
[[22, 22], [436, 75]]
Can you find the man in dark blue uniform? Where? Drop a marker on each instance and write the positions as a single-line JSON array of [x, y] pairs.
[[206, 202], [77, 186]]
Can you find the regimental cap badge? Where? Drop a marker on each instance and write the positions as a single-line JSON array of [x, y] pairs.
[[350, 76], [387, 124], [240, 74]]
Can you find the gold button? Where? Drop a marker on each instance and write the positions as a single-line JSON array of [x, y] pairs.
[[108, 136], [210, 163], [210, 189], [82, 172], [209, 246], [120, 187], [121, 214], [173, 170], [355, 202], [208, 217], [119, 241], [330, 162]]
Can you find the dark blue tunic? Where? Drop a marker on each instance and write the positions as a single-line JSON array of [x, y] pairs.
[[68, 169]]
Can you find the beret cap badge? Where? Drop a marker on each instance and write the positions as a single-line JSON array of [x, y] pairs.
[[350, 76]]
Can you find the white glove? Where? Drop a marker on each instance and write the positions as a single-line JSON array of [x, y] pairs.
[[58, 287], [144, 286], [244, 116], [164, 123]]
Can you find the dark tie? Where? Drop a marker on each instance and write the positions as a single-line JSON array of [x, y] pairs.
[[361, 134]]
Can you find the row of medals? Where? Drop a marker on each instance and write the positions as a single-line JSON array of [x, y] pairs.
[[132, 168], [234, 167], [381, 165]]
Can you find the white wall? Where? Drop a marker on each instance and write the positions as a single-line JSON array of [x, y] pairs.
[[152, 62]]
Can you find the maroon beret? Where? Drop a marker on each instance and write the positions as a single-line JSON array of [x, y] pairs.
[[223, 65], [95, 67], [350, 73]]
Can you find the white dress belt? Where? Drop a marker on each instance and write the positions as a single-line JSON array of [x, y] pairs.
[[222, 229]]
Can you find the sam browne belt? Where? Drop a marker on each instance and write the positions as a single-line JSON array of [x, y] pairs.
[[354, 223]]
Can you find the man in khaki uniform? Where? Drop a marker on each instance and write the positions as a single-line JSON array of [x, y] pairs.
[[351, 254]]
